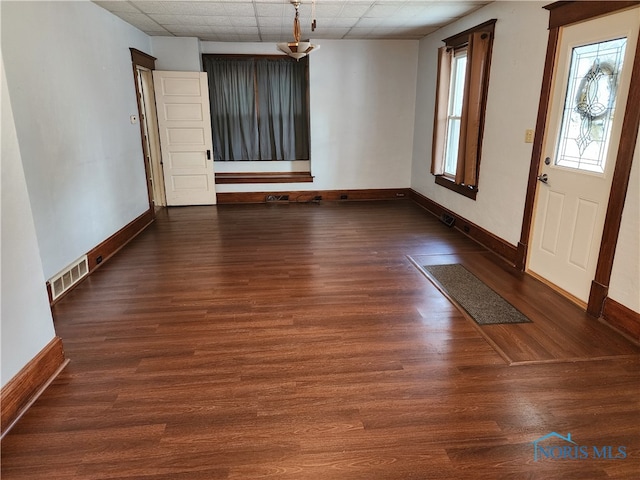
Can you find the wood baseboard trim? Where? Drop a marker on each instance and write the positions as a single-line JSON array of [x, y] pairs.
[[105, 250], [597, 296], [309, 196], [29, 383], [264, 177], [622, 318], [487, 239], [98, 255]]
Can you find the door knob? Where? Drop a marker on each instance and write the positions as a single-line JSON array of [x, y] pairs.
[[543, 178]]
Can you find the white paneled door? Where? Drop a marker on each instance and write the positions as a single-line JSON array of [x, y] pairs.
[[588, 98], [182, 101]]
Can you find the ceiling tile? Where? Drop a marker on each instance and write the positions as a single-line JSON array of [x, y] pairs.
[[272, 39], [222, 30], [336, 22], [189, 30], [244, 21], [118, 6], [140, 21], [329, 33], [190, 19], [181, 8], [239, 19], [270, 10], [384, 11], [369, 22], [354, 9], [240, 9], [247, 30], [357, 32], [270, 22], [449, 9], [329, 10]]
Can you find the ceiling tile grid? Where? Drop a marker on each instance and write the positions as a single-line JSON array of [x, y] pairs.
[[272, 20]]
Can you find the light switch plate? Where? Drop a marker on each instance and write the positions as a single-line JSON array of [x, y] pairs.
[[528, 136]]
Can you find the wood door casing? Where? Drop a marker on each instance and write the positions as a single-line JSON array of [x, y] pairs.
[[564, 13], [592, 75]]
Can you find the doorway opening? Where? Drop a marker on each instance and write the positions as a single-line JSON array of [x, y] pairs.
[[143, 65]]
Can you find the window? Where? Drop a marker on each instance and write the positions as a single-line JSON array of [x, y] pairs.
[[259, 107], [454, 117], [590, 105], [461, 91]]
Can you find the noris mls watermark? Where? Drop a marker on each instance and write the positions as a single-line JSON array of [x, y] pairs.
[[554, 446]]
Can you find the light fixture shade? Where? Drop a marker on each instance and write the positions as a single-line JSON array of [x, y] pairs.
[[284, 47], [297, 49], [297, 55]]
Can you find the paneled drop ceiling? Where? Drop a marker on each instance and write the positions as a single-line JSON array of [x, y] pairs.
[[272, 20]]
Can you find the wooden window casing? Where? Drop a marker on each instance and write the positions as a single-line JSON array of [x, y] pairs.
[[478, 41]]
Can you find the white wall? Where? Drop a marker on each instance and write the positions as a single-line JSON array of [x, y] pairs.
[[514, 91], [70, 78], [180, 54], [26, 325], [245, 48], [362, 111], [625, 276]]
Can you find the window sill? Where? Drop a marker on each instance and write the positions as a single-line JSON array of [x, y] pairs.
[[264, 177], [469, 192]]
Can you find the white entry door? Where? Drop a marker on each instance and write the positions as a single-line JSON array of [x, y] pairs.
[[588, 98], [182, 101]]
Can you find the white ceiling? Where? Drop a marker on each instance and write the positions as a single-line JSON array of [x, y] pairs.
[[272, 20]]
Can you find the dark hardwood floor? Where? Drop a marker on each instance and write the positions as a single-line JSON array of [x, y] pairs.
[[560, 331], [301, 342]]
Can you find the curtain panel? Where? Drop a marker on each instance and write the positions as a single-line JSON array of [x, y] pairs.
[[445, 57], [234, 120], [259, 108], [473, 109]]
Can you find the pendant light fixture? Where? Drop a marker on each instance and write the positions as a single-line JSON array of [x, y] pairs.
[[298, 49]]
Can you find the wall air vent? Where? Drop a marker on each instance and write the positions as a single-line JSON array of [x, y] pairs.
[[447, 219], [68, 277]]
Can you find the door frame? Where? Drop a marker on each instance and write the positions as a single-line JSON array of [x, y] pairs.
[[141, 59], [149, 124], [562, 14]]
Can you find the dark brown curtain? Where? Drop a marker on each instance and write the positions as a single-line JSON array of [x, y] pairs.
[[445, 56], [259, 108], [473, 109]]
